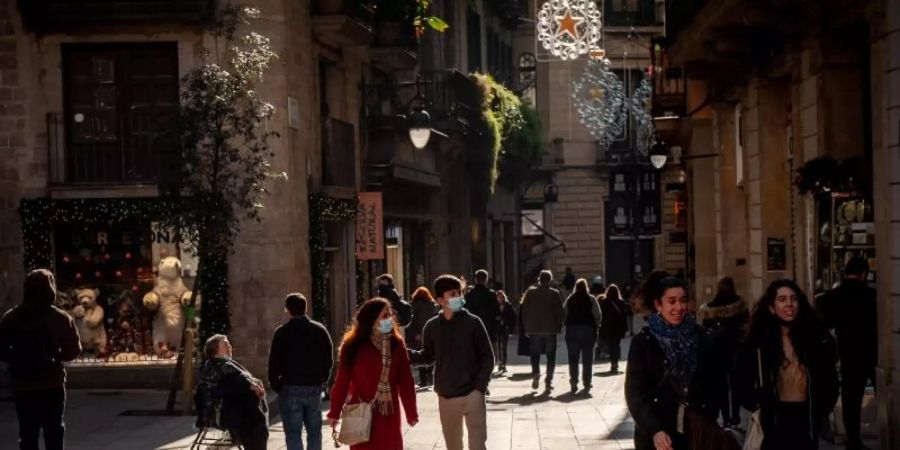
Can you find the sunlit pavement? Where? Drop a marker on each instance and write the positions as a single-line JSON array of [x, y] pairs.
[[518, 418]]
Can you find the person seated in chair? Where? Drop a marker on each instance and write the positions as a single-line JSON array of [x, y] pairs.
[[230, 398]]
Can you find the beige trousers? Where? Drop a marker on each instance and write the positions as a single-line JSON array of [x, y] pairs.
[[452, 411]]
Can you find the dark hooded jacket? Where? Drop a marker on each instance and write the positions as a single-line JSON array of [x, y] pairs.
[[37, 337], [728, 317]]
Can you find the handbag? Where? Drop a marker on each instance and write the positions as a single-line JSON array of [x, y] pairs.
[[356, 424], [755, 435]]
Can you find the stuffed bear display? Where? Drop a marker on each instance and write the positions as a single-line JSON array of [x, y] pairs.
[[89, 321], [168, 299]]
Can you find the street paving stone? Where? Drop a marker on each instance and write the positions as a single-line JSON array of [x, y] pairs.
[[518, 418]]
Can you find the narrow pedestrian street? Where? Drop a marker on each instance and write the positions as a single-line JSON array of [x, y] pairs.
[[518, 417]]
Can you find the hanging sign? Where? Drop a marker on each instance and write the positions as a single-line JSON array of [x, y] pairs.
[[370, 227], [775, 255]]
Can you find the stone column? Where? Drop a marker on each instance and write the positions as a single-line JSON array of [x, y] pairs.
[[886, 148]]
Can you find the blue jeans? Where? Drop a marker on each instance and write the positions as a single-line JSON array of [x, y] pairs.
[[301, 406]]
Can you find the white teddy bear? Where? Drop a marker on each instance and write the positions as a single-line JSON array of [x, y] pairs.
[[89, 321], [168, 298]]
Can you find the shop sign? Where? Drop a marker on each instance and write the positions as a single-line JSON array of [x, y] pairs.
[[775, 255], [370, 227]]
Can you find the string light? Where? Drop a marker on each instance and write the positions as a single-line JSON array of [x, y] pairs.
[[323, 209]]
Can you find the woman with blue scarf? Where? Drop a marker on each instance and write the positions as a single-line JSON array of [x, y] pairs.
[[672, 368]]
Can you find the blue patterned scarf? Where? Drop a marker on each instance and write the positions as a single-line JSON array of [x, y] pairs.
[[679, 343]]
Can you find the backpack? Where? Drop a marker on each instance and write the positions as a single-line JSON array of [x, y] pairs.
[[404, 313], [31, 352]]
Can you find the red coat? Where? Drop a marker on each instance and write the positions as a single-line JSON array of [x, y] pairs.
[[360, 383]]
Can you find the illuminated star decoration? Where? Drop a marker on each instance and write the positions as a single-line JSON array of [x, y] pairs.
[[568, 28], [569, 25]]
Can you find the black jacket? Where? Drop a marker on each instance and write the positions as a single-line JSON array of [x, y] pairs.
[[37, 337], [651, 393], [422, 311], [614, 314], [822, 383], [482, 301], [850, 309], [225, 400], [403, 309], [728, 318], [461, 352], [509, 320], [302, 354]]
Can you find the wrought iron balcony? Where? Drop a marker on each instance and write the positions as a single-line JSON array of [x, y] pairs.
[[669, 84], [453, 99], [103, 159], [635, 13], [67, 13]]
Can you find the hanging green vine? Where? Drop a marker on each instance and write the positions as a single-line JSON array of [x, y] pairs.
[[323, 209]]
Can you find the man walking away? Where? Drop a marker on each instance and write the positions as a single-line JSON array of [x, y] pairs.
[[613, 324], [850, 309], [568, 281], [542, 316], [457, 343], [387, 291], [582, 318], [35, 339], [482, 301], [300, 362]]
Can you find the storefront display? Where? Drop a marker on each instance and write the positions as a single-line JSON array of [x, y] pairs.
[[104, 253], [846, 229]]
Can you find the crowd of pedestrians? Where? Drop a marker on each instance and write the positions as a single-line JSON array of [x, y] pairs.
[[685, 371]]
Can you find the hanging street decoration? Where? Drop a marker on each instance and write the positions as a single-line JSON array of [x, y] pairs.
[[601, 101], [640, 113], [569, 28]]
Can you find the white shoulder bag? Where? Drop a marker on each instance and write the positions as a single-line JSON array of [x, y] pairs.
[[754, 438], [356, 424]]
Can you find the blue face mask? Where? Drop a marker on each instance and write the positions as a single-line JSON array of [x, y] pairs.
[[456, 303], [385, 325]]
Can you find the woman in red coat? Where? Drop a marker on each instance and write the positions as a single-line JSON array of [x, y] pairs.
[[374, 367]]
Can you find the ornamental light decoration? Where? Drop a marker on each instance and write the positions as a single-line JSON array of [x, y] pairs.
[[569, 28], [600, 100]]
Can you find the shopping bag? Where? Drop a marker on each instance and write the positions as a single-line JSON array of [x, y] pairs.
[[754, 437], [356, 424]]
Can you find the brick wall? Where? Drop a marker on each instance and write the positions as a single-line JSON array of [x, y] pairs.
[[13, 158]]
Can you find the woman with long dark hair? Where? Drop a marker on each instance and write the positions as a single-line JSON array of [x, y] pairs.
[[374, 368], [582, 316], [672, 365], [796, 385], [614, 312]]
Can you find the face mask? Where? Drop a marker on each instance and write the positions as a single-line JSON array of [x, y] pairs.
[[456, 303], [385, 325]]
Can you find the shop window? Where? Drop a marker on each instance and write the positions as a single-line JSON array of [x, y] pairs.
[[120, 99], [125, 286]]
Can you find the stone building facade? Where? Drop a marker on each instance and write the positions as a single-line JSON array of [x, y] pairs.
[[769, 89], [585, 215]]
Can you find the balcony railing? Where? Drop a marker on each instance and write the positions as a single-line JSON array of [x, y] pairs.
[[669, 84], [343, 23], [453, 97], [63, 13], [101, 161], [339, 154]]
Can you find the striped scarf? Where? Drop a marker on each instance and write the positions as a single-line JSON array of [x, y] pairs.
[[383, 402]]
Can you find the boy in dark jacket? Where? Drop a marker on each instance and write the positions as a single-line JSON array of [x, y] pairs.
[[457, 343], [300, 363], [35, 339], [482, 301]]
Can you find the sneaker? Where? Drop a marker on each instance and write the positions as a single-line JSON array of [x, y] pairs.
[[535, 381]]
